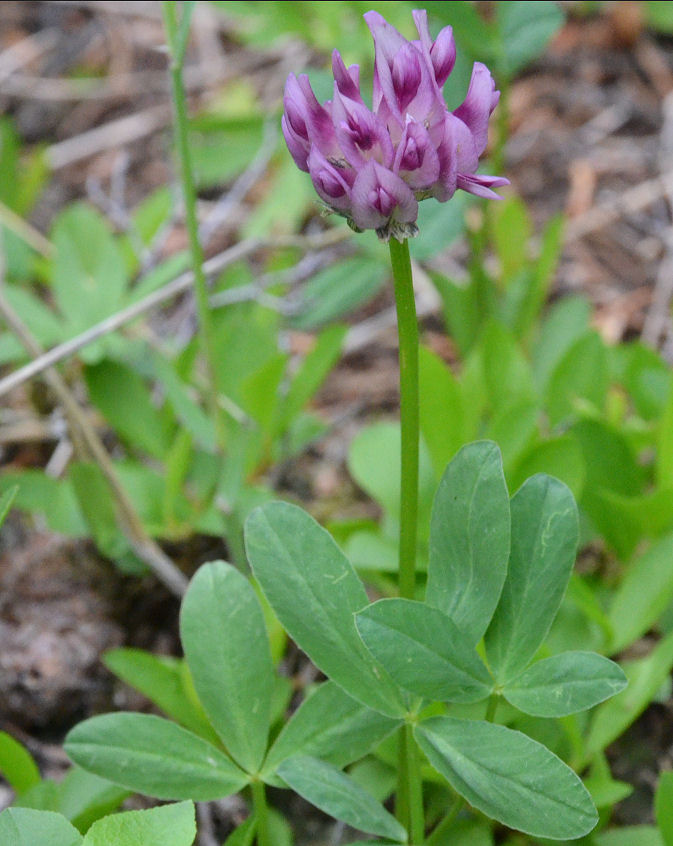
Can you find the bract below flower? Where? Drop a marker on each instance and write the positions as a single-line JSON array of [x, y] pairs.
[[372, 166]]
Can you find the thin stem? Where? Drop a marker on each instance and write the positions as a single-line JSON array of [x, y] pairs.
[[415, 787], [407, 328], [409, 797], [402, 795], [176, 43], [446, 823], [492, 707], [261, 813]]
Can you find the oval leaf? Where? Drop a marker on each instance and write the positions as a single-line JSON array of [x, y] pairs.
[[164, 680], [643, 595], [565, 684], [153, 756], [469, 538], [314, 590], [332, 726], [509, 777], [336, 794], [645, 677], [227, 649], [27, 827], [169, 824], [424, 651], [17, 765], [544, 543]]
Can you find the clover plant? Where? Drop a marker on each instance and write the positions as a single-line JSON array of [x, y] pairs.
[[431, 665]]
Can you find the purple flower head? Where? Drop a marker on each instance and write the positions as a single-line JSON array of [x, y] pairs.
[[372, 166]]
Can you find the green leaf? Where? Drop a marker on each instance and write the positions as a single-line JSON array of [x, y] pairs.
[[332, 726], [260, 391], [55, 498], [469, 538], [84, 798], [315, 591], [605, 791], [643, 595], [582, 376], [227, 649], [162, 680], [168, 825], [645, 677], [512, 231], [424, 651], [124, 400], [441, 413], [374, 552], [509, 777], [244, 835], [560, 457], [312, 372], [566, 322], [153, 756], [97, 505], [663, 807], [659, 16], [16, 763], [337, 290], [26, 827], [374, 463], [336, 794], [188, 413], [507, 373], [463, 313], [88, 273], [43, 323], [664, 460], [633, 835], [209, 134], [565, 684], [544, 543], [525, 29], [464, 832]]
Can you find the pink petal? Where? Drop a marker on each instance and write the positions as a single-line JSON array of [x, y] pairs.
[[416, 159], [482, 97], [347, 79], [379, 196], [330, 182], [360, 134], [480, 185]]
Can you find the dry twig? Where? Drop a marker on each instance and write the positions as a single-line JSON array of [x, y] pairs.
[[144, 547]]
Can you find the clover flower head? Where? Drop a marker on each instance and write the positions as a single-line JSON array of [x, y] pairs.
[[372, 166]]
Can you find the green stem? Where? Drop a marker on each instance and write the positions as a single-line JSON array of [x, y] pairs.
[[492, 707], [409, 796], [407, 329], [402, 794], [446, 823], [176, 44], [261, 813], [415, 786]]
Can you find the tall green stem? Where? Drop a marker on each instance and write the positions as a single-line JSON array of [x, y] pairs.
[[407, 329], [261, 813], [409, 806], [415, 786], [177, 39]]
